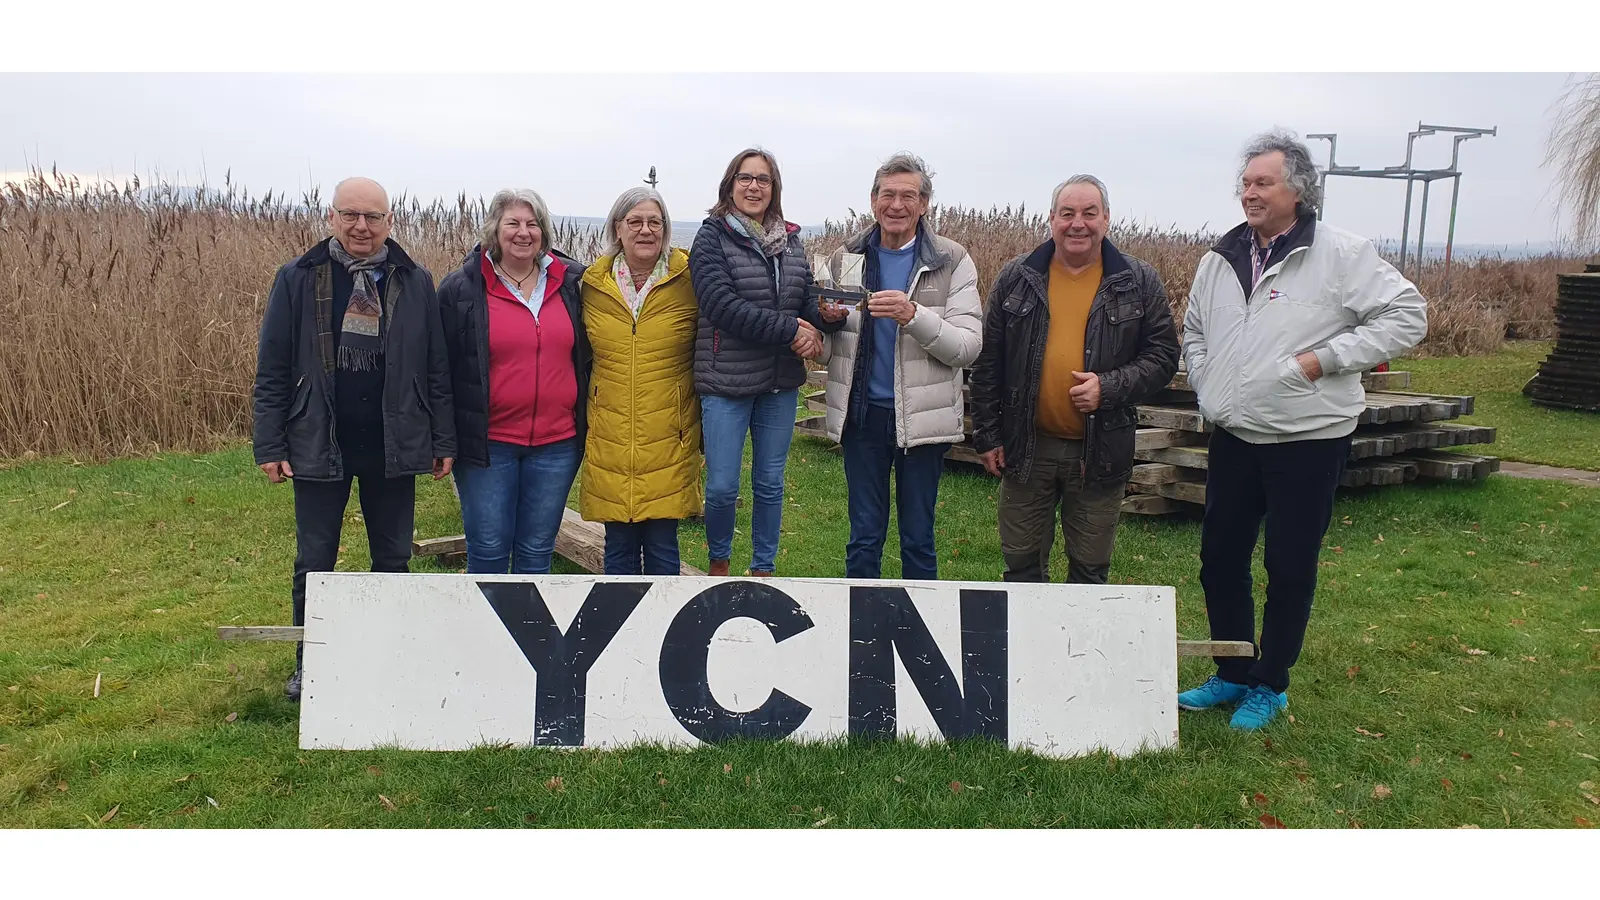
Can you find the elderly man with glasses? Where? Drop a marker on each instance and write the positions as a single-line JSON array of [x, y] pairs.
[[352, 384]]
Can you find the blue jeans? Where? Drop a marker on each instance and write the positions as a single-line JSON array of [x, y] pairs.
[[512, 509], [655, 541], [870, 452], [724, 422]]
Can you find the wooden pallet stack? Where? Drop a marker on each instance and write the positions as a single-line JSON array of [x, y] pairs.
[[1400, 437], [1570, 377]]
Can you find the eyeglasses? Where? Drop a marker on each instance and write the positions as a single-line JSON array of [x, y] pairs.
[[350, 216], [745, 178], [636, 224]]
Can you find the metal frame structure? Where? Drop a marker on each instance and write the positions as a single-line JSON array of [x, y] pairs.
[[651, 180], [1411, 175]]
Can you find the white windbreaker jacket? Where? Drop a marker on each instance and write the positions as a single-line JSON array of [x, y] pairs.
[[1332, 294]]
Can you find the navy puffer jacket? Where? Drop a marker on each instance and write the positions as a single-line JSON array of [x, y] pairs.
[[748, 312]]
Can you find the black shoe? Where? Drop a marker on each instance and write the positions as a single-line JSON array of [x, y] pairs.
[[292, 689]]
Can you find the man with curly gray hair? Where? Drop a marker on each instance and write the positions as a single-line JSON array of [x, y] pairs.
[[1284, 315]]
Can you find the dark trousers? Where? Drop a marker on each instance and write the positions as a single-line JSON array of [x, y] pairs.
[[870, 454], [388, 507], [1291, 486], [653, 541], [1089, 516]]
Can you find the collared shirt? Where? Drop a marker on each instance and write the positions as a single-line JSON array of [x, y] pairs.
[[1260, 256], [535, 300]]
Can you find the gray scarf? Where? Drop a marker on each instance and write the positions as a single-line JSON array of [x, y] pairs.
[[771, 238], [361, 340]]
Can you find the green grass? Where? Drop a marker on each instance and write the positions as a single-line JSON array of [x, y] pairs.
[[1527, 432], [123, 571]]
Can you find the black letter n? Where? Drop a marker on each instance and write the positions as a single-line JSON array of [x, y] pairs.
[[883, 620]]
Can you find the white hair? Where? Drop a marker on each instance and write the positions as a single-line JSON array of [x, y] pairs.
[[1299, 172], [619, 210]]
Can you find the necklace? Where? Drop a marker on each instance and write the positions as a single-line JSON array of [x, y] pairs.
[[515, 280]]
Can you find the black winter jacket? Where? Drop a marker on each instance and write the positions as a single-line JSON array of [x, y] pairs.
[[464, 308], [295, 419], [1129, 341], [748, 314]]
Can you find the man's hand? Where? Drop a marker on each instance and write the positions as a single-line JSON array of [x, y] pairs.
[[807, 343], [892, 305], [832, 311], [443, 466], [277, 471], [994, 461], [1310, 365], [1086, 393]]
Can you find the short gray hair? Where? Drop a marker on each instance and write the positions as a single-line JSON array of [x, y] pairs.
[[630, 198], [1105, 196], [489, 237], [1299, 172], [904, 163]]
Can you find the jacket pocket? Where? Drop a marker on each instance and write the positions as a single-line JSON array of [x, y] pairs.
[[422, 397], [1117, 433], [297, 406]]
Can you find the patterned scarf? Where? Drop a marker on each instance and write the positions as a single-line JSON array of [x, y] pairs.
[[771, 238], [362, 341], [624, 277]]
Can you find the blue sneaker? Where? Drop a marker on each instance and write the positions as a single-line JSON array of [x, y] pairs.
[[1258, 708], [1215, 692]]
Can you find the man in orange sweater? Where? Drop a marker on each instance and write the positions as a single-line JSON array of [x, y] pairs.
[[1076, 333]]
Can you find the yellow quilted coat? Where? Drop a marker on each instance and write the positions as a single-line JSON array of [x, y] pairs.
[[642, 459]]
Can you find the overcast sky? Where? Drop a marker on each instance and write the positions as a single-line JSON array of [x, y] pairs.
[[1166, 145]]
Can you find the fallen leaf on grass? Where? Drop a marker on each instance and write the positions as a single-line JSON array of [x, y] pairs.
[[1370, 734], [900, 780], [555, 783], [726, 768], [1466, 710], [1352, 672], [822, 822], [1581, 822], [1585, 785], [61, 786], [231, 717], [1465, 755], [1473, 651], [112, 814], [1269, 820], [387, 803], [214, 804], [374, 771], [1591, 798], [1448, 784], [955, 787], [1260, 799], [1301, 776], [1382, 792]]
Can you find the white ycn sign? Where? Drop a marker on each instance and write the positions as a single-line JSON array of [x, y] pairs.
[[448, 662]]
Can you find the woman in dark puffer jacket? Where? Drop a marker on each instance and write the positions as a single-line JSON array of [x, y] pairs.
[[750, 277]]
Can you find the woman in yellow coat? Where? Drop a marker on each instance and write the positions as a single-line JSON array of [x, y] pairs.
[[641, 465]]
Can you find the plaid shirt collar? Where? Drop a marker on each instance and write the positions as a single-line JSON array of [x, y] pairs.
[[1259, 256]]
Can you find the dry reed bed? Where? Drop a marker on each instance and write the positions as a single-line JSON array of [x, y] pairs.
[[132, 314]]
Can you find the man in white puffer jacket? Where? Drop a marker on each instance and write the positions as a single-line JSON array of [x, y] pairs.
[[1284, 315], [894, 370]]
